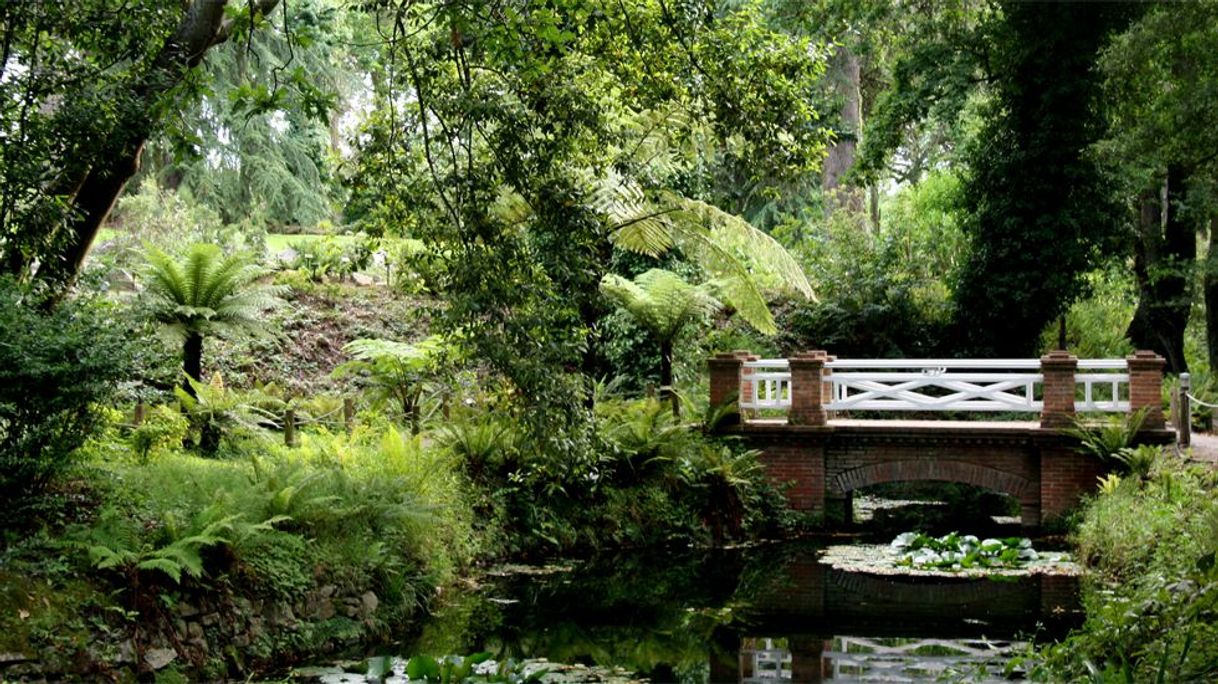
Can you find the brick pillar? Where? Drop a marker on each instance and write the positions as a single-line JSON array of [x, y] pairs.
[[725, 385], [826, 396], [1058, 369], [727, 661], [807, 659], [807, 398], [1146, 387], [746, 387]]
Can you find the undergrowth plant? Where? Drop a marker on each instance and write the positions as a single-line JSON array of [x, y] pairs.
[[1153, 595]]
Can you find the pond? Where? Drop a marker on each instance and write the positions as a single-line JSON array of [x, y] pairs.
[[760, 614]]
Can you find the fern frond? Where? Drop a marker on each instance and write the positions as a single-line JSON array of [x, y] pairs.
[[767, 260], [660, 301], [170, 567]]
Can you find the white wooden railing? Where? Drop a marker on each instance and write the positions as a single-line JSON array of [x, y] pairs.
[[935, 385]]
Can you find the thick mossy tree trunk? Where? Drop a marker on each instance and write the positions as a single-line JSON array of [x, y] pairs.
[[667, 392], [1165, 254], [192, 360], [842, 153]]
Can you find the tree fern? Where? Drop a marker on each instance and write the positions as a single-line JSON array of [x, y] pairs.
[[395, 372], [747, 263], [663, 303], [205, 293]]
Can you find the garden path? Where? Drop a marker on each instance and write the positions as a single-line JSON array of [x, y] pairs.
[[1205, 448]]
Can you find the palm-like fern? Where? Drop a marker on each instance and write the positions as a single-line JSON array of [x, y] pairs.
[[395, 371], [663, 303], [747, 262], [206, 293]]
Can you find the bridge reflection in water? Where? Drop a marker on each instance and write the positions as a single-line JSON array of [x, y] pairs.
[[808, 622]]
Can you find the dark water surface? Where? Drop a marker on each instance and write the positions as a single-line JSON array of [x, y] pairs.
[[761, 614]]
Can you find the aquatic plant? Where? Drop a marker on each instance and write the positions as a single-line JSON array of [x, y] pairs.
[[961, 552]]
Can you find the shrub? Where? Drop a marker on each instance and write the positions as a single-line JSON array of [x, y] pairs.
[[1153, 595], [164, 427], [57, 365]]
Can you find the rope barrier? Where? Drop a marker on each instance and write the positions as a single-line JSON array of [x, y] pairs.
[[320, 418], [1199, 402]]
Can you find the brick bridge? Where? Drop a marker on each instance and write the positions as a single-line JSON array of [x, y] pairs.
[[803, 414]]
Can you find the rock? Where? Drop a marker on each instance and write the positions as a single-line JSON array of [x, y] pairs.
[[362, 279], [13, 658], [318, 607], [179, 628], [126, 652], [123, 281], [241, 641], [279, 614], [369, 602], [159, 658], [194, 630], [328, 590], [187, 610], [211, 619]]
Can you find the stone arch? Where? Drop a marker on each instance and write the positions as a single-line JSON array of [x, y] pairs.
[[915, 470]]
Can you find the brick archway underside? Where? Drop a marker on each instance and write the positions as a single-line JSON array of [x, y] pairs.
[[916, 470]]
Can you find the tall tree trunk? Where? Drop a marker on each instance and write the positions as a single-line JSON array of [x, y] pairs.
[[667, 393], [842, 152], [203, 26], [1210, 287], [1165, 257], [192, 360]]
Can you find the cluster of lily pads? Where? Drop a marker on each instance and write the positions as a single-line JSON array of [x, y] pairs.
[[961, 552], [477, 668]]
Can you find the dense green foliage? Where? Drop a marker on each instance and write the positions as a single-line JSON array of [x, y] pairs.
[[496, 224], [1151, 602], [1038, 209], [58, 370]]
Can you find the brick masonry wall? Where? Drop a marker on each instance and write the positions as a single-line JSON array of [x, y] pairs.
[[799, 470], [819, 467], [1065, 477]]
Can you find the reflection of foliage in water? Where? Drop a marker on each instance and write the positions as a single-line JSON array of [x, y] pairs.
[[649, 616]]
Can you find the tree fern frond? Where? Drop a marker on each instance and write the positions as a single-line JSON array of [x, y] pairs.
[[225, 277], [638, 225], [767, 260], [660, 301], [165, 277], [200, 261]]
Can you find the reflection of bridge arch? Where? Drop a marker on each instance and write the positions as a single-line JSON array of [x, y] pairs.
[[912, 470], [846, 588]]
